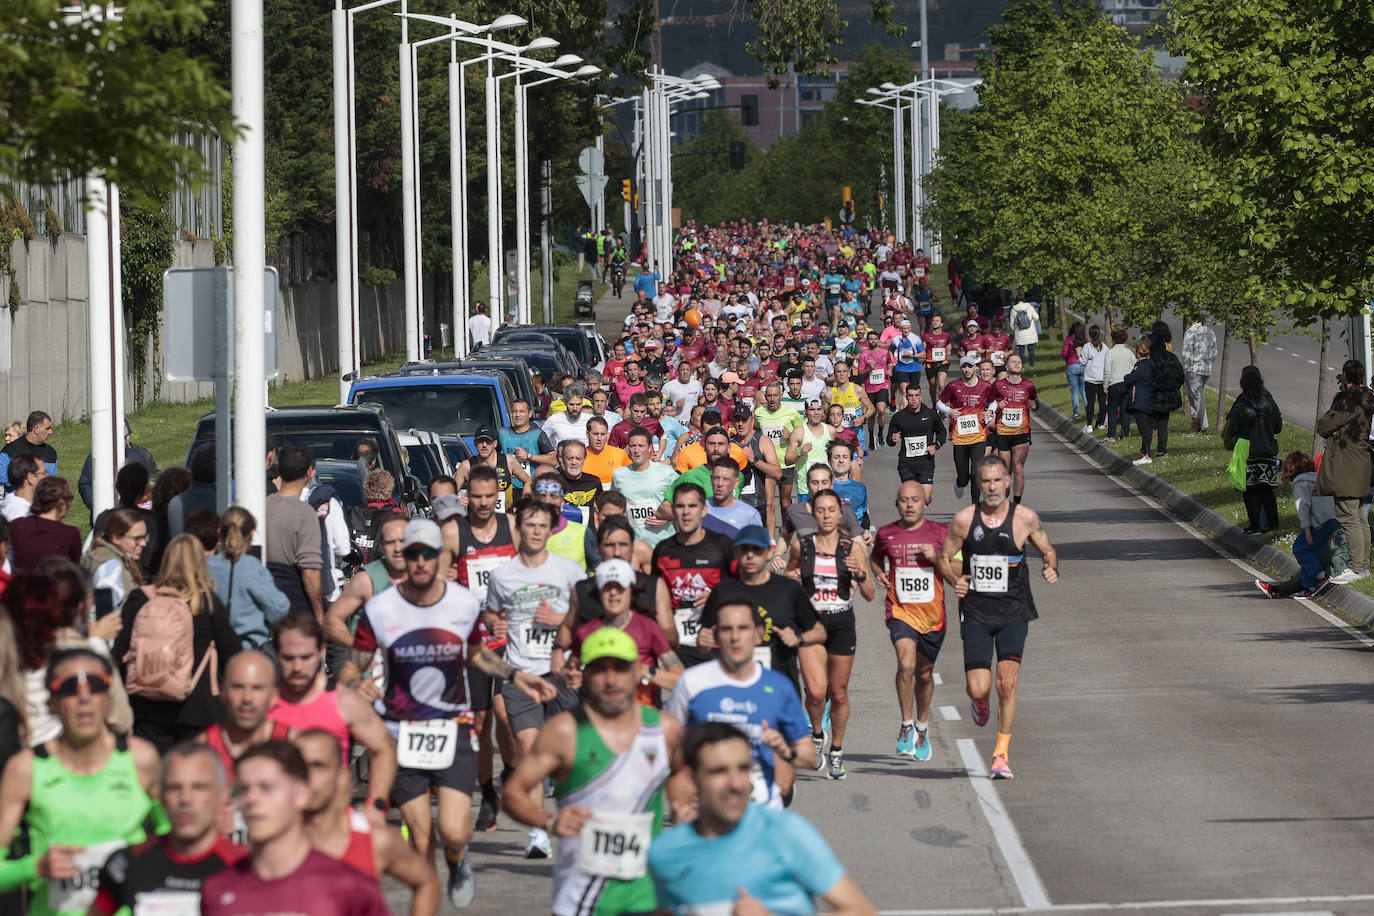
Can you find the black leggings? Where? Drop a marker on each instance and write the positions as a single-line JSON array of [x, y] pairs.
[[1096, 392], [965, 458], [1260, 497], [1117, 411], [1153, 424]]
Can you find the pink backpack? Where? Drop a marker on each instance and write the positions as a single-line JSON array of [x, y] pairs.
[[160, 663]]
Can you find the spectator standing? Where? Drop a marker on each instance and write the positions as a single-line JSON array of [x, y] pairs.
[[24, 474], [183, 578], [1120, 361], [1094, 355], [1168, 384], [1256, 417], [479, 326], [1199, 350], [1345, 469], [243, 583], [37, 429], [132, 453], [42, 532], [13, 431], [170, 483], [1073, 366], [1025, 330], [14, 724], [113, 559], [131, 486], [199, 495], [294, 552], [1140, 381]]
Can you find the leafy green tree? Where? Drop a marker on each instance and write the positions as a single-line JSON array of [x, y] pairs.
[[104, 96]]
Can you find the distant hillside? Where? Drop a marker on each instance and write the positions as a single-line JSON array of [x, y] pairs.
[[697, 31]]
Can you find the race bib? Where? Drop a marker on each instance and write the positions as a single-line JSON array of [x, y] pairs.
[[1013, 416], [937, 354], [749, 488], [998, 357], [500, 499], [479, 575], [776, 433], [851, 414], [168, 903], [764, 656], [427, 744], [915, 584], [968, 424], [615, 844], [688, 622], [877, 377], [914, 446], [535, 640], [990, 574], [78, 892], [238, 834], [640, 511]]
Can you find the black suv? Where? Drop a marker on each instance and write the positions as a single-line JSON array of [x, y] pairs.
[[334, 433]]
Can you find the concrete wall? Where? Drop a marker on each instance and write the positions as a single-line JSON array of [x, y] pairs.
[[43, 344]]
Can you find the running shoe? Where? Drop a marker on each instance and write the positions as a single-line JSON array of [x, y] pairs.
[[819, 745], [539, 846], [1000, 769], [1266, 588], [1161, 454], [462, 884], [1361, 575], [486, 814], [1143, 459], [981, 711], [1088, 429], [837, 770], [1110, 439], [958, 492], [923, 748], [1344, 577], [906, 742]]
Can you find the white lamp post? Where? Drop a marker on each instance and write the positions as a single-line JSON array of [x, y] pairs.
[[898, 155]]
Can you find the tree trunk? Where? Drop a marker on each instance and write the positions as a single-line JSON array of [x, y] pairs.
[[1063, 314], [1221, 377], [1323, 380], [1253, 342]]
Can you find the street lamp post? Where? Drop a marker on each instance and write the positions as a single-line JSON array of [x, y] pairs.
[[898, 155]]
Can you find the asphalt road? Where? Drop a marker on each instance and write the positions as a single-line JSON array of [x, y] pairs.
[[1183, 745]]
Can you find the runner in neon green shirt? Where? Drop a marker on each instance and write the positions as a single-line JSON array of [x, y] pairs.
[[82, 795]]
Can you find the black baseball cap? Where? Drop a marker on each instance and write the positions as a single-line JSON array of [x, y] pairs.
[[484, 433]]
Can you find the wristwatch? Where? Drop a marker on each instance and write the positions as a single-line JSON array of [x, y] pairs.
[[381, 804]]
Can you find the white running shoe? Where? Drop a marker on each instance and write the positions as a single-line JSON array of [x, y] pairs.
[[1143, 459], [1344, 577], [539, 846], [1088, 429]]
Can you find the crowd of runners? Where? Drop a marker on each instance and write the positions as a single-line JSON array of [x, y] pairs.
[[646, 609]]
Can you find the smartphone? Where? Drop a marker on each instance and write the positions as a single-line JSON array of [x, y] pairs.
[[104, 602]]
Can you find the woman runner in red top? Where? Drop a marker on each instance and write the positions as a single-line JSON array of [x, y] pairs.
[[1015, 397]]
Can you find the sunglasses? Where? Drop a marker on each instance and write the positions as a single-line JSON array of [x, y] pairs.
[[419, 553], [71, 686]]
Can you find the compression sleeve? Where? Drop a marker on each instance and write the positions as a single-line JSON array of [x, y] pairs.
[[943, 408], [15, 873]]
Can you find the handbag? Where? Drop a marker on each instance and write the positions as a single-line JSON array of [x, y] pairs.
[[1240, 457]]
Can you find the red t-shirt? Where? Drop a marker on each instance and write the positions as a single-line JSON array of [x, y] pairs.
[[648, 636], [615, 369], [937, 347], [968, 402], [321, 886], [915, 591], [998, 347], [1013, 402]]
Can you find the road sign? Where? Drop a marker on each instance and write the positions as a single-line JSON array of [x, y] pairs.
[[198, 323], [592, 161], [591, 186]]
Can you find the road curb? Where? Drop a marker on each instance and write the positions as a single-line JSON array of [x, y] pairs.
[[1353, 604]]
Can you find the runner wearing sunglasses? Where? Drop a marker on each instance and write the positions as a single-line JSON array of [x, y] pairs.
[[83, 795]]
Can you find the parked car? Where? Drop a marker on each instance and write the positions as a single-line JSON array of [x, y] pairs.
[[545, 358], [453, 402], [427, 456], [569, 335], [333, 434], [516, 369]]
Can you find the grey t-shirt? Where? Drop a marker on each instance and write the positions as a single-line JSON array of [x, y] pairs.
[[293, 533], [517, 591], [799, 517]]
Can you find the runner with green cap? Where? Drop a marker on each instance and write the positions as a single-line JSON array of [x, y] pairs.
[[609, 760]]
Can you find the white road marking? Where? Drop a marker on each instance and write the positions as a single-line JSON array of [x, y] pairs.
[[1216, 548], [1310, 361], [1280, 349], [1150, 905], [938, 680], [1028, 883], [950, 713]]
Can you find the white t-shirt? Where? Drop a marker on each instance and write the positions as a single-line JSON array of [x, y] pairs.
[[559, 427], [479, 327], [14, 506], [814, 388], [664, 305], [517, 591], [683, 396]]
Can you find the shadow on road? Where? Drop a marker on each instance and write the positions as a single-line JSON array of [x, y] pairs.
[[1352, 692]]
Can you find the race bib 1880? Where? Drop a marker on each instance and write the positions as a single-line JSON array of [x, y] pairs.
[[968, 424]]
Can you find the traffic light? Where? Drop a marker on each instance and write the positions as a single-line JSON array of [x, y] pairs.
[[736, 155], [846, 196], [625, 192]]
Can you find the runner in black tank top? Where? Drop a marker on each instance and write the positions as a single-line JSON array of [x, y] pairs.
[[992, 582], [829, 564]]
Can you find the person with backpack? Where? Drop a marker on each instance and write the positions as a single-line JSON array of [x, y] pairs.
[[379, 488], [176, 638], [1025, 330]]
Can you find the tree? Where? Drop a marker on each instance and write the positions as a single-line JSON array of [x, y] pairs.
[[104, 96]]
